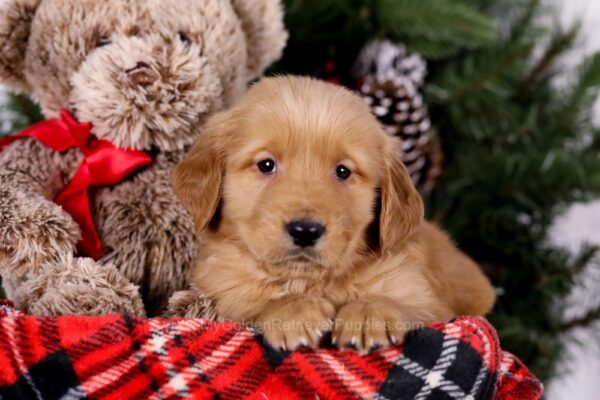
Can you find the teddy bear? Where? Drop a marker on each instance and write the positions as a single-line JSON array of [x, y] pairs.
[[125, 84]]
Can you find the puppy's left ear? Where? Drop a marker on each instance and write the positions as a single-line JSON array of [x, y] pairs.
[[401, 205], [197, 180]]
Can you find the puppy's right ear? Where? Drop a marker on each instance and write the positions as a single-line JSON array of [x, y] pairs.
[[16, 17], [401, 205], [197, 180]]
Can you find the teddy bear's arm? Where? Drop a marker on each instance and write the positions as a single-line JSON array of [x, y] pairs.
[[32, 228]]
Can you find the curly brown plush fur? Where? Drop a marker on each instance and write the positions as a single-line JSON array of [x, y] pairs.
[[146, 74], [191, 304], [64, 288]]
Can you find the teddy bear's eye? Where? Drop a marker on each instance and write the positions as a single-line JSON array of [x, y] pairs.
[[184, 38], [104, 41]]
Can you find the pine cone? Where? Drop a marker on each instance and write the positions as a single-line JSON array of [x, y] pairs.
[[386, 61], [389, 87]]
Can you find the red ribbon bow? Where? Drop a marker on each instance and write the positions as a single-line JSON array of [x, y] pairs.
[[103, 165]]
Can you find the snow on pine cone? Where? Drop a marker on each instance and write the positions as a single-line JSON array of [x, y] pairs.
[[389, 78]]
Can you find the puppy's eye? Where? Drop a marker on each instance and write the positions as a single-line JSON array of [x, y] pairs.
[[184, 38], [342, 172], [104, 41], [267, 167]]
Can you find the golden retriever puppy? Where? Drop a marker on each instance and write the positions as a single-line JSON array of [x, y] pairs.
[[309, 223]]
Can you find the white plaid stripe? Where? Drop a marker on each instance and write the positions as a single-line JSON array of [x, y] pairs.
[[391, 354], [434, 378], [480, 377], [413, 367], [156, 343], [444, 361], [160, 341], [6, 309], [192, 373], [379, 397], [487, 347], [350, 381], [100, 380], [223, 352], [10, 329], [447, 356], [74, 394]]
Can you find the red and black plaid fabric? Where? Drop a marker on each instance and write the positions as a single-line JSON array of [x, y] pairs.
[[124, 357]]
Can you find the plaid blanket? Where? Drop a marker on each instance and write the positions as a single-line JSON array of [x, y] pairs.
[[124, 357]]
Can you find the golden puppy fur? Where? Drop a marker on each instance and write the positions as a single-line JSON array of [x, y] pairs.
[[377, 271]]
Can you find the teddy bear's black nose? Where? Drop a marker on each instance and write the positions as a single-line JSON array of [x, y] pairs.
[[304, 232], [142, 75]]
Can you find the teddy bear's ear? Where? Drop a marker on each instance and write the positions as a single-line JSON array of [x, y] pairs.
[[262, 22], [15, 26]]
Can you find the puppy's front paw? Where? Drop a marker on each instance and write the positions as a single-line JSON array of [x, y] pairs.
[[295, 321], [369, 323]]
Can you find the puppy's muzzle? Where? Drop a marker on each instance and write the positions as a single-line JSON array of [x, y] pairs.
[[304, 232]]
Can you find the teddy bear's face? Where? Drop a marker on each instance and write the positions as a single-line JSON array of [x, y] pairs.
[[145, 73]]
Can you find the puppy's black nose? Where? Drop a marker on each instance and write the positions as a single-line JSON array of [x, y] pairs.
[[304, 232]]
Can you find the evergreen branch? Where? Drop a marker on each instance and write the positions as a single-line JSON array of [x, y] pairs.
[[590, 73], [20, 112], [585, 256], [585, 320], [476, 72], [23, 105], [522, 24], [582, 97], [433, 50], [443, 21], [589, 78], [512, 56], [561, 42]]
